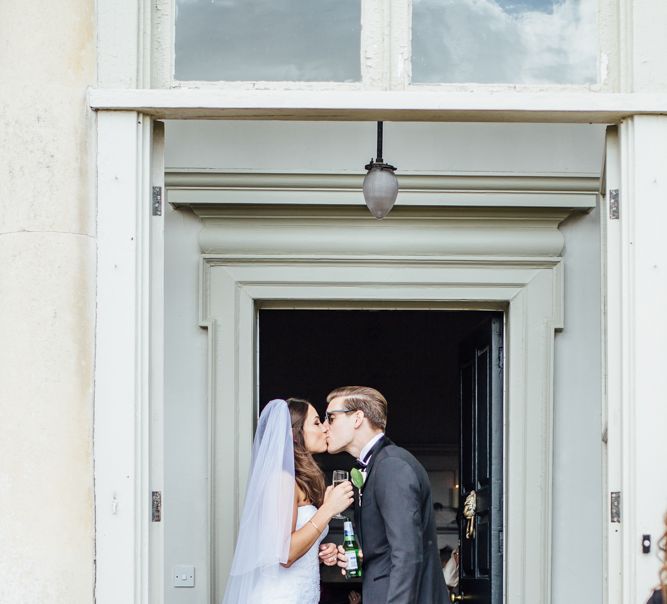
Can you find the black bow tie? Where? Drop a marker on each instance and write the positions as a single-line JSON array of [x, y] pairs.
[[362, 464]]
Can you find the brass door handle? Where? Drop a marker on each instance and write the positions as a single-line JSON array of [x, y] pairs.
[[455, 598], [469, 511]]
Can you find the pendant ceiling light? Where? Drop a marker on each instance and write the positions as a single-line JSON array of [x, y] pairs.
[[380, 184]]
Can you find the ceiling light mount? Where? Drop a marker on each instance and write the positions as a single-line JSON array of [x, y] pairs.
[[380, 183]]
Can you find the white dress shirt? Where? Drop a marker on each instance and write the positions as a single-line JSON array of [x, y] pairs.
[[368, 447]]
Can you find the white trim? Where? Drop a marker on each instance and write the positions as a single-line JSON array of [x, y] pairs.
[[613, 372], [399, 25], [381, 105], [487, 190], [241, 274], [426, 235], [157, 354], [628, 356], [375, 84], [122, 388], [643, 323], [161, 43], [372, 53], [528, 533]]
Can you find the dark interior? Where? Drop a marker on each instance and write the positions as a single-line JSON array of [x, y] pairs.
[[411, 356]]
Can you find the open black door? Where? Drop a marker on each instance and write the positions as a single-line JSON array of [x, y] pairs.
[[481, 400]]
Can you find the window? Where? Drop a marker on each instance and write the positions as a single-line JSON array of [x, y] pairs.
[[387, 44], [271, 40], [504, 41]]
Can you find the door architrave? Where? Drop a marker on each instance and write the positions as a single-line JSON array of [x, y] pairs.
[[263, 264]]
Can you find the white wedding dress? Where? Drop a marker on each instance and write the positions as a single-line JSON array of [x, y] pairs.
[[300, 583], [265, 530]]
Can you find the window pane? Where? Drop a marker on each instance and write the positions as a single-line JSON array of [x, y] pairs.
[[504, 41], [268, 40]]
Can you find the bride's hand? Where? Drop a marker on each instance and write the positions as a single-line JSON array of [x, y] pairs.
[[339, 498], [329, 554]]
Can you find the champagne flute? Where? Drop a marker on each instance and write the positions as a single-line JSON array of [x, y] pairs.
[[337, 477]]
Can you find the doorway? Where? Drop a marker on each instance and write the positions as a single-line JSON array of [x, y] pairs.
[[256, 258], [422, 361]]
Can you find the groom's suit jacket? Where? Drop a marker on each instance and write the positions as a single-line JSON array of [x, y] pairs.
[[396, 528]]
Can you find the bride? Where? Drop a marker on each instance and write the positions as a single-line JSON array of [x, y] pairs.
[[286, 512]]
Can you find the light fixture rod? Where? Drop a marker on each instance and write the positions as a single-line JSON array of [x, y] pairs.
[[379, 159]]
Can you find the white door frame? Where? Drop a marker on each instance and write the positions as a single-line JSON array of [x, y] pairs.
[[128, 358], [123, 441], [635, 256], [242, 270]]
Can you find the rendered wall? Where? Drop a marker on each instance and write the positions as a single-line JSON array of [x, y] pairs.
[[47, 302]]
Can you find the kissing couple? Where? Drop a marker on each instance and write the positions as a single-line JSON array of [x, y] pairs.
[[287, 508]]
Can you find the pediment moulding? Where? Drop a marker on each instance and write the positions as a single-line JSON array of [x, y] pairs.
[[317, 215], [525, 235], [207, 187]]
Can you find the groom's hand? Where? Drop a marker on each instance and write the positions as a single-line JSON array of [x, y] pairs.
[[342, 559]]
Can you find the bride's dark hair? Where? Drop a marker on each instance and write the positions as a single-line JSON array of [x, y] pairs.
[[308, 475]]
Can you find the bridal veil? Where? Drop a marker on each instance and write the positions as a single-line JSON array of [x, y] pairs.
[[266, 523]]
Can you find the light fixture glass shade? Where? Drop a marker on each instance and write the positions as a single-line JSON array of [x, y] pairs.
[[380, 190]]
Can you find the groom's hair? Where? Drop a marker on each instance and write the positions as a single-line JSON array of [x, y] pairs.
[[363, 398]]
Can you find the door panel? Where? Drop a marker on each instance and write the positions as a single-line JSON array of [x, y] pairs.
[[481, 379], [483, 407], [467, 424]]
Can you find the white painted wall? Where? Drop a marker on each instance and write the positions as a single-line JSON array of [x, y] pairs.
[[412, 147], [47, 302], [578, 498], [186, 411]]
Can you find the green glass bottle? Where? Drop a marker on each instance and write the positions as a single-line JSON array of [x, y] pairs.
[[351, 548]]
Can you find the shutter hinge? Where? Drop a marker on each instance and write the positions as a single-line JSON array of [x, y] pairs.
[[157, 201], [615, 506], [156, 514], [613, 204]]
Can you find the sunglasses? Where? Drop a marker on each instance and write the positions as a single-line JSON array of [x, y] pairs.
[[329, 416]]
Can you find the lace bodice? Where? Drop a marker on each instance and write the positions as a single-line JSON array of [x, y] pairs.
[[300, 583]]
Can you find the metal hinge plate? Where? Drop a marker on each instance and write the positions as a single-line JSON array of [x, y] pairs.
[[614, 211], [157, 201], [615, 506], [156, 514]]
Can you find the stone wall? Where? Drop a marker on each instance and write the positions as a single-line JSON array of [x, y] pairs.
[[47, 302]]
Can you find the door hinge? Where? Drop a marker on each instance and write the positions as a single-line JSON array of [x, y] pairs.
[[156, 515], [615, 506], [613, 204], [157, 201]]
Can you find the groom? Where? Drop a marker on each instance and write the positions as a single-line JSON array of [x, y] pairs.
[[395, 522]]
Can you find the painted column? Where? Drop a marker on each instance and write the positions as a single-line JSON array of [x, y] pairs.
[[643, 353], [636, 318], [122, 356], [123, 438]]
